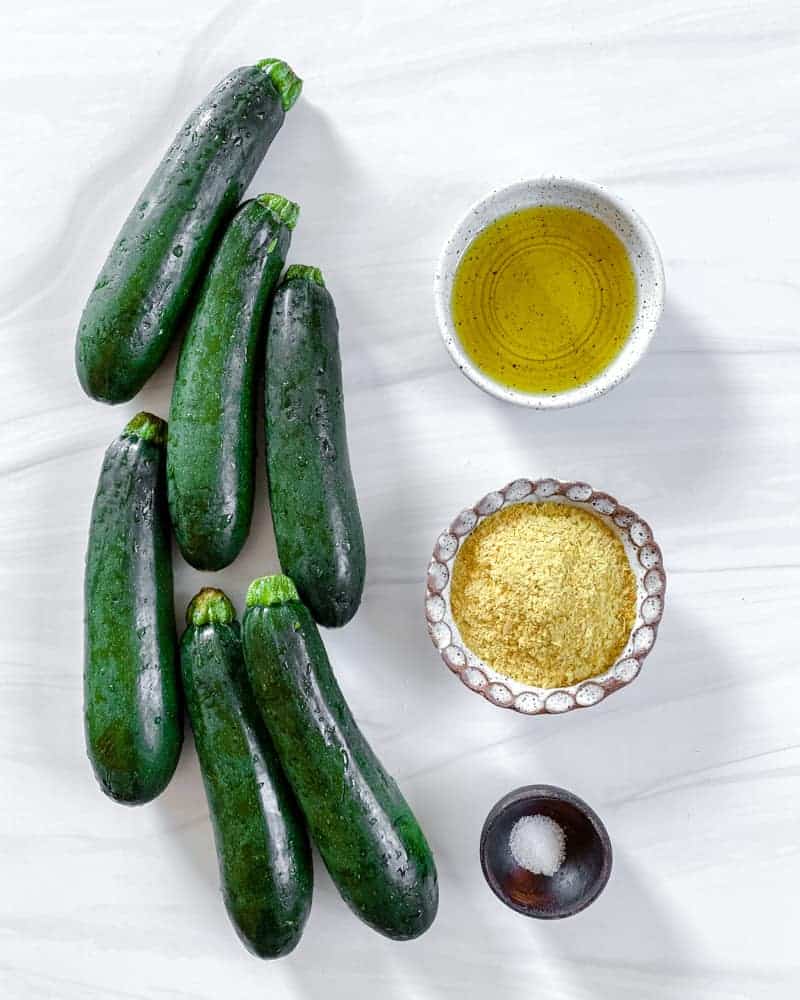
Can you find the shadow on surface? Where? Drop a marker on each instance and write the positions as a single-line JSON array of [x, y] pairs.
[[646, 743], [665, 405], [183, 812]]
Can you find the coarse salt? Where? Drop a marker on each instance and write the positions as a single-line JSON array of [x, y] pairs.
[[537, 843]]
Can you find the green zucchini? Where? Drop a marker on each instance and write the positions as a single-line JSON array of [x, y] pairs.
[[262, 845], [133, 719], [211, 446], [313, 500], [367, 835], [161, 251]]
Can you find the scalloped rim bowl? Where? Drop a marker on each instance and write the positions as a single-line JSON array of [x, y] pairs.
[[645, 559], [621, 220]]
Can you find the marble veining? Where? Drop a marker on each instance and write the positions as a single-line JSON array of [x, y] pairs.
[[686, 110]]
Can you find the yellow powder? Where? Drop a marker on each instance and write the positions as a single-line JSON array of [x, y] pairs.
[[544, 593]]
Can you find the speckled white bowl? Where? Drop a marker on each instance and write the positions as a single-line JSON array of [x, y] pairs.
[[594, 200], [645, 559]]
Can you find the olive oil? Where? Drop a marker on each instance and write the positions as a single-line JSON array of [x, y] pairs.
[[544, 299]]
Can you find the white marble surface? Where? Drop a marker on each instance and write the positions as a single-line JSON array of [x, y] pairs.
[[411, 111]]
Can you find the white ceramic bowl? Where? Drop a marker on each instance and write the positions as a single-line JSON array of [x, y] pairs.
[[622, 220], [645, 560]]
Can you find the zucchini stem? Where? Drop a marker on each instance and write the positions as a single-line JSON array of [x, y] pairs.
[[148, 427], [284, 79], [305, 273], [285, 211], [269, 590], [210, 607]]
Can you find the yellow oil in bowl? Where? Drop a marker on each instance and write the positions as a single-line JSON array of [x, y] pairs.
[[544, 299]]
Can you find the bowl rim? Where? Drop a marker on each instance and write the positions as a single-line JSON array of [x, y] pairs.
[[644, 556], [547, 793], [528, 194]]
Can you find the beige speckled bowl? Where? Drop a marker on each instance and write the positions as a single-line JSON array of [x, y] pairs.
[[620, 219], [643, 554]]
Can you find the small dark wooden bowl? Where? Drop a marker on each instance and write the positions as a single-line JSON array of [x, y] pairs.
[[587, 863]]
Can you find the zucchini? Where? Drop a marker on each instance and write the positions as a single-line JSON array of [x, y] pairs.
[[262, 845], [134, 309], [132, 710], [313, 500], [367, 835], [211, 446]]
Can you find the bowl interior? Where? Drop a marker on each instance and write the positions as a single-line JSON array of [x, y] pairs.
[[622, 220], [644, 557], [587, 862]]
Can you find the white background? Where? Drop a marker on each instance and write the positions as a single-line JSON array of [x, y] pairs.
[[410, 112]]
